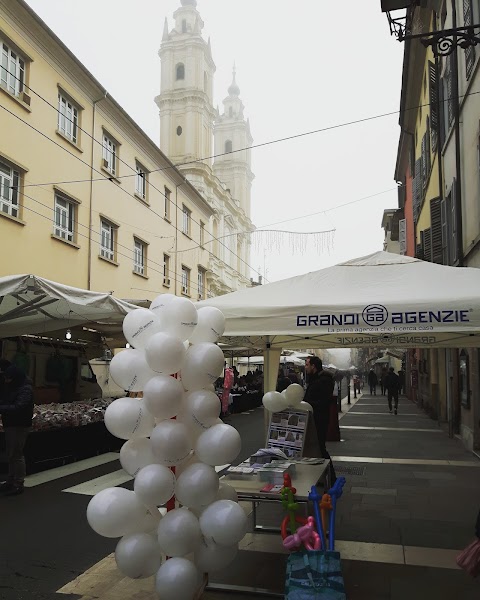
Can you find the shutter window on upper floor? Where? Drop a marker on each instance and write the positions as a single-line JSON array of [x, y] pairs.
[[469, 50]]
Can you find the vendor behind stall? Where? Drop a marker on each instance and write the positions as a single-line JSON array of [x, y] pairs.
[[16, 408]]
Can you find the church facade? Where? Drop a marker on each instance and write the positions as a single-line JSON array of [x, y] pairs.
[[211, 147]]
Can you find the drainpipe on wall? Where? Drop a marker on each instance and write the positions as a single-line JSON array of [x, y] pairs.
[[456, 109], [90, 216]]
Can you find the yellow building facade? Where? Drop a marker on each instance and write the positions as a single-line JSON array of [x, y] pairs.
[[86, 197]]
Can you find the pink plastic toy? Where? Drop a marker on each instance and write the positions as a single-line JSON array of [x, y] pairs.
[[305, 535]]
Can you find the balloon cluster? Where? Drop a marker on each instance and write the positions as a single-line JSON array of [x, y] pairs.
[[202, 535], [291, 397]]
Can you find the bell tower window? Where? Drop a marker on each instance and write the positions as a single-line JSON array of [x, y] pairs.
[[230, 112], [180, 71], [179, 130], [184, 26], [228, 146]]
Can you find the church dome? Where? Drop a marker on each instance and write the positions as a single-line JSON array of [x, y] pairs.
[[189, 3]]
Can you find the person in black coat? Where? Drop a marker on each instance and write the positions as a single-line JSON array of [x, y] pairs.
[[372, 382], [392, 384], [319, 395], [16, 408]]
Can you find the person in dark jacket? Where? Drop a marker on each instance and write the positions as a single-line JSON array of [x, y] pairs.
[[16, 408], [392, 384], [319, 395], [372, 382]]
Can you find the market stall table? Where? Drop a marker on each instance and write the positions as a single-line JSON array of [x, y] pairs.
[[250, 490]]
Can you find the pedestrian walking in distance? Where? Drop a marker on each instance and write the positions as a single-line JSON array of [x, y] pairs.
[[392, 383], [319, 395], [372, 382]]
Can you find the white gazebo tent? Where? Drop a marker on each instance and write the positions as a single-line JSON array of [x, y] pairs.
[[33, 305], [381, 300]]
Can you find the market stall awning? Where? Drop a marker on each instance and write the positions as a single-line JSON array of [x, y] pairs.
[[383, 300], [33, 305]]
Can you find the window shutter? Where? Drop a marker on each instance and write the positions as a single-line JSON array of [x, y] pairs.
[[470, 50], [417, 189], [432, 74], [449, 91], [436, 227], [453, 237], [427, 149], [443, 217], [427, 244], [402, 235], [419, 251], [424, 162]]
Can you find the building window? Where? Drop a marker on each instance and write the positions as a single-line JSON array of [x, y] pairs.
[[12, 71], [228, 146], [179, 130], [64, 220], [186, 220], [9, 190], [185, 281], [184, 25], [201, 284], [180, 71], [166, 270], [141, 181], [109, 154], [230, 112], [168, 194], [139, 257], [67, 118], [202, 234], [107, 239]]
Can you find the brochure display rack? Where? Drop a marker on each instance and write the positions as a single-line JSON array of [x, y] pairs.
[[287, 431]]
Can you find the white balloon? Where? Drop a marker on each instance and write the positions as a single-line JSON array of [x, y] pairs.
[[201, 407], [177, 579], [115, 512], [203, 365], [275, 401], [130, 371], [294, 394], [150, 522], [171, 443], [139, 325], [210, 557], [219, 445], [211, 325], [136, 454], [227, 492], [165, 353], [127, 418], [179, 532], [197, 486], [154, 485], [138, 556], [160, 302], [305, 406], [162, 396], [225, 522], [180, 318]]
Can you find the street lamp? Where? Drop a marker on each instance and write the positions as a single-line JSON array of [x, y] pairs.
[[443, 42]]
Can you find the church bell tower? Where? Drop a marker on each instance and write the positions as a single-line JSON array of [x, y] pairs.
[[232, 148], [186, 89]]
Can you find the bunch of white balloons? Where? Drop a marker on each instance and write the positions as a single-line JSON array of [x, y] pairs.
[[291, 397], [203, 533]]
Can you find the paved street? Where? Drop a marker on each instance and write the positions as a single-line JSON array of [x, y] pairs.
[[409, 506]]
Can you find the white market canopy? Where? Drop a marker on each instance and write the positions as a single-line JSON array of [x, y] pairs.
[[380, 300], [33, 305]]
